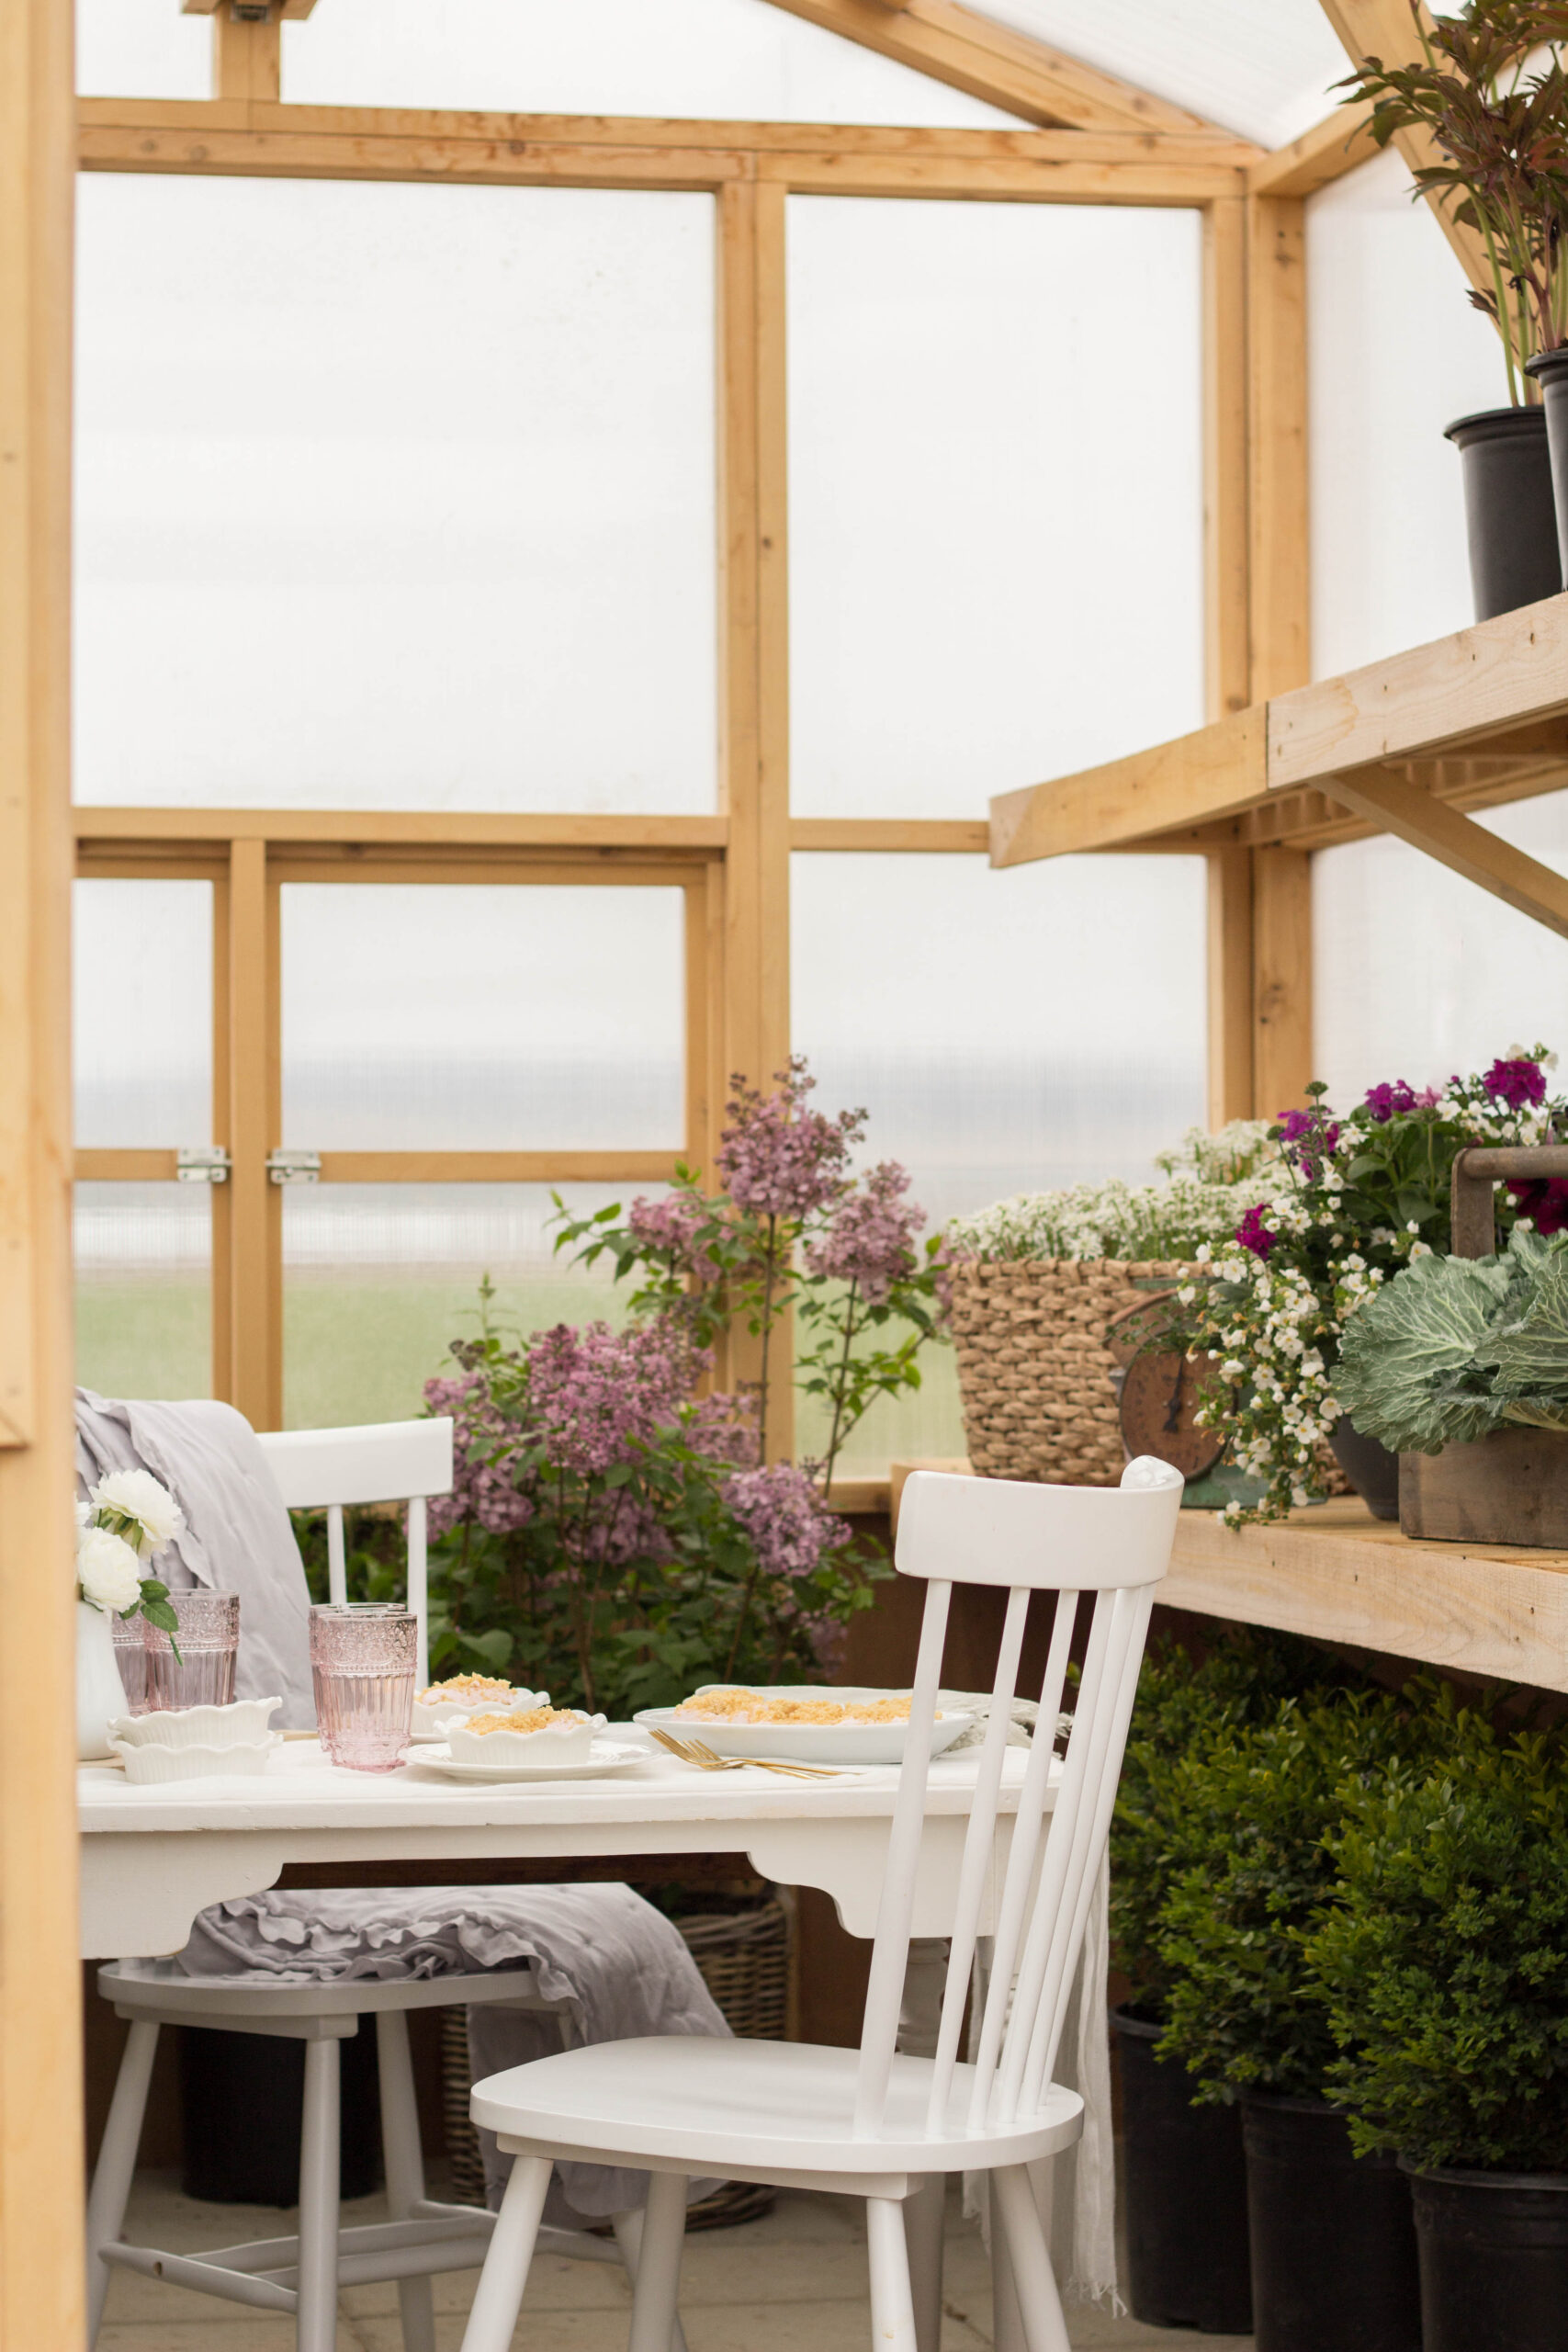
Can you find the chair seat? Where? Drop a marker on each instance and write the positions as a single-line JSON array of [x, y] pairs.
[[712, 2105], [156, 1988]]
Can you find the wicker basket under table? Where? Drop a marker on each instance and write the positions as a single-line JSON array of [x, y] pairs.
[[742, 1956], [1033, 1369]]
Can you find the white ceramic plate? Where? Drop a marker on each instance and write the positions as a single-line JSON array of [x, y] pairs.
[[804, 1743], [607, 1755]]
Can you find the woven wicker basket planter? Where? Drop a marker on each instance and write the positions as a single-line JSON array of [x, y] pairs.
[[1033, 1369], [742, 1956]]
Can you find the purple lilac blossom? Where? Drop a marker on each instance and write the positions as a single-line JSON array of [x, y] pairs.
[[781, 1512], [673, 1227], [597, 1396], [870, 1237], [483, 1489], [1254, 1235], [778, 1158], [1517, 1083], [724, 1427]]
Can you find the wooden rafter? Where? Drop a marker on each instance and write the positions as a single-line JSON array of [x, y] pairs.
[[971, 51], [1337, 145]]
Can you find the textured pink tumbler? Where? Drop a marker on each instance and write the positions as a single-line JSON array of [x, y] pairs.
[[362, 1664]]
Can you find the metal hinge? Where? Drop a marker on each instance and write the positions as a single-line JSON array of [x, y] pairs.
[[293, 1167], [202, 1163]]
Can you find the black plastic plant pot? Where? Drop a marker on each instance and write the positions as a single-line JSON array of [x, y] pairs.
[[1493, 2250], [1510, 521], [241, 2104], [1550, 370], [1372, 1469], [1184, 2190], [1333, 2240]]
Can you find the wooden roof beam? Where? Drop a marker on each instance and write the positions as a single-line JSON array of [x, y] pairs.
[[1325, 152], [972, 52]]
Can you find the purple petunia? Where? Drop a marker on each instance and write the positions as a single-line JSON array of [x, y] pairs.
[[1517, 1083], [1254, 1235]]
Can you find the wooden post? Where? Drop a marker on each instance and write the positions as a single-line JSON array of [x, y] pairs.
[[1279, 597], [247, 56], [255, 1210], [41, 2061], [1225, 456], [220, 1273], [754, 671], [1230, 985], [1281, 1004]]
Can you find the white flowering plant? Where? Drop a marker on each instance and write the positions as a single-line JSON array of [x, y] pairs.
[[128, 1518], [1369, 1193], [1211, 1180]]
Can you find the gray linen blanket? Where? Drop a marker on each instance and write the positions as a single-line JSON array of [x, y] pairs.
[[237, 1536], [619, 1962]]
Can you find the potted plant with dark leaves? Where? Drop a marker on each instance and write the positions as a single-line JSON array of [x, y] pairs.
[[1183, 2173], [1443, 1960], [1332, 2244], [1489, 90]]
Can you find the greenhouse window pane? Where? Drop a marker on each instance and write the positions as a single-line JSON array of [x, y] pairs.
[[144, 1289], [462, 1017], [1418, 973], [1007, 1033], [682, 57], [995, 522], [379, 1280], [420, 478], [141, 49], [142, 1013]]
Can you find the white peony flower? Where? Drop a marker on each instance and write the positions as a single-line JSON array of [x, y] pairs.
[[108, 1571], [137, 1495]]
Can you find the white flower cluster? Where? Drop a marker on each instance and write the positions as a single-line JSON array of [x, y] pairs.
[[1114, 1219], [128, 1517], [1239, 1149]]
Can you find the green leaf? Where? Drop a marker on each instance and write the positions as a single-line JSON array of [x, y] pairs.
[[1430, 1320], [1533, 1353]]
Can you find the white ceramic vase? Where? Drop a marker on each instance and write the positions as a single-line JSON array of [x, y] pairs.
[[100, 1694]]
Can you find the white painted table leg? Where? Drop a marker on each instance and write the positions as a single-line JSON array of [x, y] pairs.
[[317, 2316]]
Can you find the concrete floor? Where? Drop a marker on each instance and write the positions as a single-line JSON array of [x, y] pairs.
[[792, 2282]]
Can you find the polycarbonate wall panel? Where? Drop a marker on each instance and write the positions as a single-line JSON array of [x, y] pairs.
[[142, 1003], [1395, 353], [996, 497], [1418, 973], [144, 1289], [379, 1280], [394, 495], [141, 49], [463, 1017], [1007, 1032], [680, 57]]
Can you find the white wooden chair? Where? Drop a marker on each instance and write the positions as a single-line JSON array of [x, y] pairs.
[[384, 1461], [876, 2124]]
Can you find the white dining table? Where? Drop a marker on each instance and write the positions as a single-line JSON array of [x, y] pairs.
[[152, 1856]]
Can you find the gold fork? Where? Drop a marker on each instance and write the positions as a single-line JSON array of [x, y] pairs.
[[693, 1751]]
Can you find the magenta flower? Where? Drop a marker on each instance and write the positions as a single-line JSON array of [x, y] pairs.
[[1254, 1235], [673, 1228], [781, 1512], [778, 1158], [869, 1237], [1390, 1100], [1308, 1137], [1517, 1083]]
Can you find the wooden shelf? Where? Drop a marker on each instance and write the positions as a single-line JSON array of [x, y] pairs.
[[1402, 746], [1338, 1575]]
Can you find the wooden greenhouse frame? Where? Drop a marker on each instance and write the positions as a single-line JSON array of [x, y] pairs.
[[1095, 140]]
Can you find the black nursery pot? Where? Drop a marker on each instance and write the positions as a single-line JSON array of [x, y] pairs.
[[1550, 370], [1493, 2250], [1184, 2185], [1333, 2242], [1372, 1469], [1510, 522], [241, 2104]]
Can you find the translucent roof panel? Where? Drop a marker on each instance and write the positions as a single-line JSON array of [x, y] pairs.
[[738, 59], [141, 49], [1262, 67]]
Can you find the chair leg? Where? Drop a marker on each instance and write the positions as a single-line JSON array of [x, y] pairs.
[[317, 2315], [654, 2297], [404, 2160], [1006, 2320], [116, 2167], [892, 2305], [1039, 2305], [505, 2273], [628, 2238], [925, 2218]]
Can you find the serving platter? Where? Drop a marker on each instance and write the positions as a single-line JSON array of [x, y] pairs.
[[606, 1757], [841, 1743]]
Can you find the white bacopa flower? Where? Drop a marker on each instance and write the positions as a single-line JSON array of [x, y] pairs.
[[135, 1495], [108, 1571]]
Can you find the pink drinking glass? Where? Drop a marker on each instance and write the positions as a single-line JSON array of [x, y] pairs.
[[130, 1656], [363, 1656], [208, 1638]]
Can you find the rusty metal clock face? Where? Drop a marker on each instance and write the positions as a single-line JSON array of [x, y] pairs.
[[1159, 1398]]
